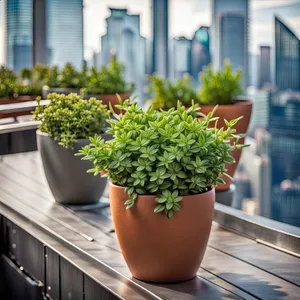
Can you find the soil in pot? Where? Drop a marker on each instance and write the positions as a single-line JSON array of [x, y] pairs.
[[229, 112], [158, 249], [66, 173]]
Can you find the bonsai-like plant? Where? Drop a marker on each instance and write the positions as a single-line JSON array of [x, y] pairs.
[[165, 153], [68, 118], [8, 83], [110, 80], [220, 87], [32, 80], [166, 93]]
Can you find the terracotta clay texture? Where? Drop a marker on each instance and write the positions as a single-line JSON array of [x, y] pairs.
[[113, 99], [158, 249], [229, 112]]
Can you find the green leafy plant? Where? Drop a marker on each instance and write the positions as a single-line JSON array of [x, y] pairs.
[[165, 153], [166, 93], [220, 87], [8, 83], [68, 118], [68, 77], [109, 80]]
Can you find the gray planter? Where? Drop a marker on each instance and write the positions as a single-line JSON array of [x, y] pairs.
[[47, 90], [66, 173], [226, 197]]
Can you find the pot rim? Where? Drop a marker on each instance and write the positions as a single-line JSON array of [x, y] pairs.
[[212, 190], [237, 102], [39, 132]]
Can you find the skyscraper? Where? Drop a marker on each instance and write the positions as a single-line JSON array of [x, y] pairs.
[[265, 66], [124, 39], [18, 33], [160, 37], [221, 11], [232, 43], [65, 32], [200, 52], [182, 56], [287, 53]]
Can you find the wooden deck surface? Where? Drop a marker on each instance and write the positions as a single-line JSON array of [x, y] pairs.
[[234, 266]]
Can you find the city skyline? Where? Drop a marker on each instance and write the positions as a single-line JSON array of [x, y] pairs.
[[261, 29]]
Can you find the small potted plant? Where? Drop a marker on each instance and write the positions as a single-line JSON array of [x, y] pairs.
[[166, 93], [9, 87], [223, 88], [109, 82], [66, 81], [163, 166], [66, 124]]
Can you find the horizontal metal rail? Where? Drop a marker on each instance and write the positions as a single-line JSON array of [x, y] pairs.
[[16, 127], [20, 107]]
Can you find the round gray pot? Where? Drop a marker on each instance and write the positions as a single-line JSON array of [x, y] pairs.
[[66, 173]]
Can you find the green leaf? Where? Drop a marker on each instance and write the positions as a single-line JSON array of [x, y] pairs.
[[170, 214], [159, 208]]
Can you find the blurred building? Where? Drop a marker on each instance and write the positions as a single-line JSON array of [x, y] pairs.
[[65, 32], [287, 53], [160, 35], [232, 43], [200, 51], [260, 109], [181, 56], [40, 31], [265, 66], [123, 38], [18, 23], [221, 11]]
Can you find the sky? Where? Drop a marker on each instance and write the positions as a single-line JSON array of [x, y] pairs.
[[186, 16]]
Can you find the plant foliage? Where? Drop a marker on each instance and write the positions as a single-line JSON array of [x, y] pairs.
[[109, 80], [166, 93], [165, 153], [68, 118], [220, 87], [8, 83]]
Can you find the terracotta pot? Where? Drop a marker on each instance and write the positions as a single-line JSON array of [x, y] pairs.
[[113, 99], [229, 112], [158, 249]]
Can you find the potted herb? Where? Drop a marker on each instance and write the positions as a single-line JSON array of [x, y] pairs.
[[166, 93], [223, 88], [9, 87], [109, 82], [66, 81], [66, 124], [163, 166]]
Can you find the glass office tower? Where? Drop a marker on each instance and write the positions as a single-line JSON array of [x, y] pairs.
[[220, 10], [287, 52], [65, 32], [200, 52], [18, 20]]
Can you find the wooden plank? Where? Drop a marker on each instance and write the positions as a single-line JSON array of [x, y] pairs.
[[254, 281], [278, 263], [52, 274]]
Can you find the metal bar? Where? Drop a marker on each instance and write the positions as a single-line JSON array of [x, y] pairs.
[[15, 127], [20, 107]]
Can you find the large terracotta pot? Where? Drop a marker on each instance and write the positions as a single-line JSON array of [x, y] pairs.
[[229, 112], [112, 99], [158, 249]]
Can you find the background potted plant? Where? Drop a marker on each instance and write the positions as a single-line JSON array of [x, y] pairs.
[[66, 124], [223, 88], [65, 81], [166, 93], [108, 82], [162, 165]]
